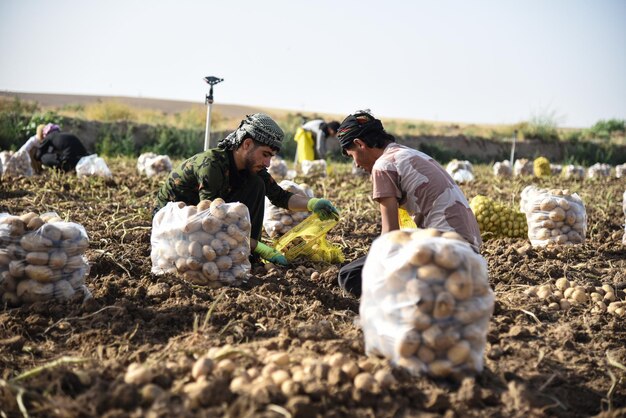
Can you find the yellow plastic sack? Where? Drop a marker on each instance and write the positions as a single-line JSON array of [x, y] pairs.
[[308, 239], [305, 150], [405, 220]]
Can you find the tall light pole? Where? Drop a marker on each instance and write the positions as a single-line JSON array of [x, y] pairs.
[[209, 102]]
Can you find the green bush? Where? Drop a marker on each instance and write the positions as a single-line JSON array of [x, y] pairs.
[[605, 129]]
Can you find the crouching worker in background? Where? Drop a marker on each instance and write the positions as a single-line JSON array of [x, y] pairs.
[[236, 171], [407, 178], [60, 150], [31, 146]]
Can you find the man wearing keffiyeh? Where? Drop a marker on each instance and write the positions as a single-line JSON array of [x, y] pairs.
[[236, 171]]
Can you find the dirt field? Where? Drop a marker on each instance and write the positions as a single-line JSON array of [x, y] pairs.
[[538, 362]]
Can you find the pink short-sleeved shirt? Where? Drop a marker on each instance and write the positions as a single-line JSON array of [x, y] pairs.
[[425, 190]]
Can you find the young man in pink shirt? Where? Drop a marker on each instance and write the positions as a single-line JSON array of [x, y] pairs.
[[403, 177]]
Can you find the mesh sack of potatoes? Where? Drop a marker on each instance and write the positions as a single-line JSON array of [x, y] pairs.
[[554, 216], [208, 244], [598, 170], [41, 258], [5, 156], [571, 171], [502, 169], [278, 221], [523, 167], [19, 165], [497, 220], [152, 164], [426, 302], [278, 167], [541, 167], [313, 168], [556, 169], [92, 165], [461, 171], [620, 171]]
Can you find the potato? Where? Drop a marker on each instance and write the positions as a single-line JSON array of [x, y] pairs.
[[10, 298], [27, 217], [224, 263], [431, 273], [208, 252], [76, 247], [69, 231], [447, 257], [240, 210], [182, 248], [459, 353], [547, 204], [203, 205], [35, 223], [444, 305], [211, 224], [422, 256], [224, 237], [16, 226], [5, 258], [239, 254], [460, 285], [425, 354], [200, 237], [35, 242], [244, 224], [194, 263], [438, 339], [440, 368], [237, 234], [181, 264], [217, 209], [408, 344], [421, 321], [220, 247], [8, 283], [51, 231], [37, 258], [58, 259], [16, 268], [195, 250], [42, 274], [210, 271], [76, 262], [33, 291]]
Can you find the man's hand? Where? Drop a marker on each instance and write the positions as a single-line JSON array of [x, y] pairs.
[[270, 254], [322, 208]]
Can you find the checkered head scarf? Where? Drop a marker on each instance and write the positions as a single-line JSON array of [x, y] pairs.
[[356, 126], [260, 127]]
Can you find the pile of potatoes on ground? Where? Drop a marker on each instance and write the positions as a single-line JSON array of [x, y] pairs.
[[426, 302], [554, 216], [267, 376], [41, 257], [208, 244], [563, 294]]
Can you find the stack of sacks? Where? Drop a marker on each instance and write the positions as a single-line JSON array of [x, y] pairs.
[[208, 244], [277, 221], [41, 258], [426, 302]]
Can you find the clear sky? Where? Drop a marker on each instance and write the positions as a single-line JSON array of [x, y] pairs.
[[482, 61]]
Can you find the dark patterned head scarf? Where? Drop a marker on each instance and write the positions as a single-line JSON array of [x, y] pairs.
[[260, 127], [356, 126]]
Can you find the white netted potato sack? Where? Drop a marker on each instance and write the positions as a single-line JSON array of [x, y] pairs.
[[152, 164], [554, 216], [208, 244], [41, 258], [278, 221], [426, 302], [502, 169], [314, 168]]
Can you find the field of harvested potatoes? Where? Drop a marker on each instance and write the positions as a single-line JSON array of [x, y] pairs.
[[287, 341]]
